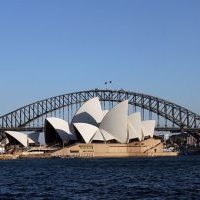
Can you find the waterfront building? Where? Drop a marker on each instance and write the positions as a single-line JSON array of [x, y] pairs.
[[96, 132]]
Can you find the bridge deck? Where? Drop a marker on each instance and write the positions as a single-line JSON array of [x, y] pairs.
[[41, 129]]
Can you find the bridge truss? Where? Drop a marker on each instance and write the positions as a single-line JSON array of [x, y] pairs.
[[169, 116]]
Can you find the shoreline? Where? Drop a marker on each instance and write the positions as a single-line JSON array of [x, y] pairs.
[[50, 156]]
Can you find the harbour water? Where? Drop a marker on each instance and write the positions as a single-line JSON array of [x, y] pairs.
[[127, 178]]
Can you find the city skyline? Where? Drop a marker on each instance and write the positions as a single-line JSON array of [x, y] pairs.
[[50, 48]]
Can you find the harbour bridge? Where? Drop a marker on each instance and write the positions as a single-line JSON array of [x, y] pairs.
[[169, 116]]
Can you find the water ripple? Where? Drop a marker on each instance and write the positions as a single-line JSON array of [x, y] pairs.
[[132, 178]]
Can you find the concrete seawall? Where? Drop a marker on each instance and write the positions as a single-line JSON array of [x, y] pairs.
[[113, 155]]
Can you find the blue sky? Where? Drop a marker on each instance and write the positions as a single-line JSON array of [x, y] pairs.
[[50, 47]]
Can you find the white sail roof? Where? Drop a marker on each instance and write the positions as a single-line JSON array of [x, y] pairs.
[[58, 123], [135, 119], [19, 136], [115, 122], [87, 131], [105, 112], [90, 112], [107, 136], [98, 136], [148, 128], [136, 122], [62, 128], [133, 133]]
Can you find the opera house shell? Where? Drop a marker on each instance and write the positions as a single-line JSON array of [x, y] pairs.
[[57, 131], [20, 138], [95, 124]]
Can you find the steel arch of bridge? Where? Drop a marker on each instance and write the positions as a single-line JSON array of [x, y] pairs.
[[177, 115]]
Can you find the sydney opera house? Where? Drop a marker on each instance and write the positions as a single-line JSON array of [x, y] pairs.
[[94, 132]]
